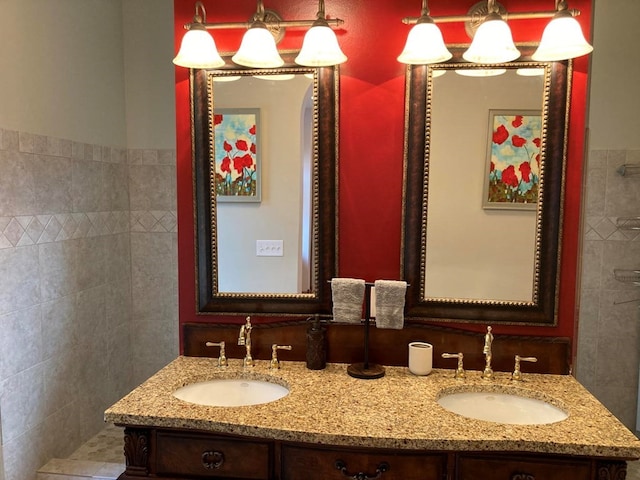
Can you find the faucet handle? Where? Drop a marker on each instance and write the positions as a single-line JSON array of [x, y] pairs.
[[222, 359], [517, 374], [275, 363], [460, 373]]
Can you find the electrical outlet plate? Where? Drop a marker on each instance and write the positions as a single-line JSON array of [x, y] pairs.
[[269, 248]]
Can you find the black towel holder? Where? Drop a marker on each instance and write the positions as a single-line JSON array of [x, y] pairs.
[[365, 369]]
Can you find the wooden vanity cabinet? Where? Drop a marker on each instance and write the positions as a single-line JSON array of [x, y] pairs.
[[173, 454], [513, 467], [186, 455], [340, 464], [197, 455]]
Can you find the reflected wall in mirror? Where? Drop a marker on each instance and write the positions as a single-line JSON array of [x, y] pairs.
[[271, 253], [493, 131]]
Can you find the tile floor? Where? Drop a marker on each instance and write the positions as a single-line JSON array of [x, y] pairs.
[[101, 458]]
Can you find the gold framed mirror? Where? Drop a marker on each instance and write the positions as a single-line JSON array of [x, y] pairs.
[[265, 163], [484, 169]]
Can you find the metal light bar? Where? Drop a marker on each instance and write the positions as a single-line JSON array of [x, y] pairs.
[[334, 22], [507, 16]]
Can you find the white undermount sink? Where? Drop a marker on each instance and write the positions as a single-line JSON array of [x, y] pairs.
[[231, 392], [509, 407]]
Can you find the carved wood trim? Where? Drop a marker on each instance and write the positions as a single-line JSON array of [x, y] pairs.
[[522, 476], [136, 451], [612, 470]]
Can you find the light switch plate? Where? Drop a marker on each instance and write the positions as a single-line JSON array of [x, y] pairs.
[[269, 248]]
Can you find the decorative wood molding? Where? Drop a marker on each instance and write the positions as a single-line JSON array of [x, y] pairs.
[[612, 470], [136, 451], [522, 476]]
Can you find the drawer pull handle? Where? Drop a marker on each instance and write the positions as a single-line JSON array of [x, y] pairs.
[[522, 476], [382, 467], [212, 460]]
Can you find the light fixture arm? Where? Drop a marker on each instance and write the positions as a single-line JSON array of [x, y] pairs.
[[321, 15], [199, 16], [259, 16], [424, 12]]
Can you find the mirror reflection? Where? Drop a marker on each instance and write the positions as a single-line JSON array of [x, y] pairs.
[[264, 241], [484, 167], [484, 145]]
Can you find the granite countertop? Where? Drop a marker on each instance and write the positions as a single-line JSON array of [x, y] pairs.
[[398, 411]]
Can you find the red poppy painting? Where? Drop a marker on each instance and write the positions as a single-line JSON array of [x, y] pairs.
[[513, 160], [236, 153]]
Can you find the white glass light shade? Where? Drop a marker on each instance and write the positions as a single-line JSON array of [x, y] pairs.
[[228, 78], [424, 45], [492, 43], [562, 39], [198, 50], [481, 72], [320, 48], [285, 76], [530, 72], [258, 50]]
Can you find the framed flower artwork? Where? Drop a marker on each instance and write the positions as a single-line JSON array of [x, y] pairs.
[[512, 174], [237, 154]]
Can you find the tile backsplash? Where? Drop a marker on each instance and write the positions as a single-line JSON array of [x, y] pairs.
[[88, 288]]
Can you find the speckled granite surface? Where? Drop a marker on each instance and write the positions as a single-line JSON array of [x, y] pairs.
[[397, 411]]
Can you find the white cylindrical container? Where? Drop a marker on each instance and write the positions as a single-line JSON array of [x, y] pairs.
[[420, 358]]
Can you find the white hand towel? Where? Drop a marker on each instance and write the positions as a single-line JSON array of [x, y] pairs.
[[390, 303], [347, 295]]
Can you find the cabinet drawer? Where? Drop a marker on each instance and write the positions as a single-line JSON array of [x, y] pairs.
[[521, 468], [212, 457], [321, 464]]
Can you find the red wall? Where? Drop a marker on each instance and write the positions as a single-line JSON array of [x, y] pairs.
[[371, 134]]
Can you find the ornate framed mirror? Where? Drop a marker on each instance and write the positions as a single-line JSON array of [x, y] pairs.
[[484, 170], [265, 163]]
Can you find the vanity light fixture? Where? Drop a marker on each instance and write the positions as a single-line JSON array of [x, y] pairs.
[[198, 49], [492, 40], [320, 46], [424, 43], [562, 37], [258, 47]]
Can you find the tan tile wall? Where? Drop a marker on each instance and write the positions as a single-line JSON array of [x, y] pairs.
[[609, 323], [88, 288]]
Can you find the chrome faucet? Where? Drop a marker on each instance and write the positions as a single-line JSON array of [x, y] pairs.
[[244, 338], [487, 373]]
